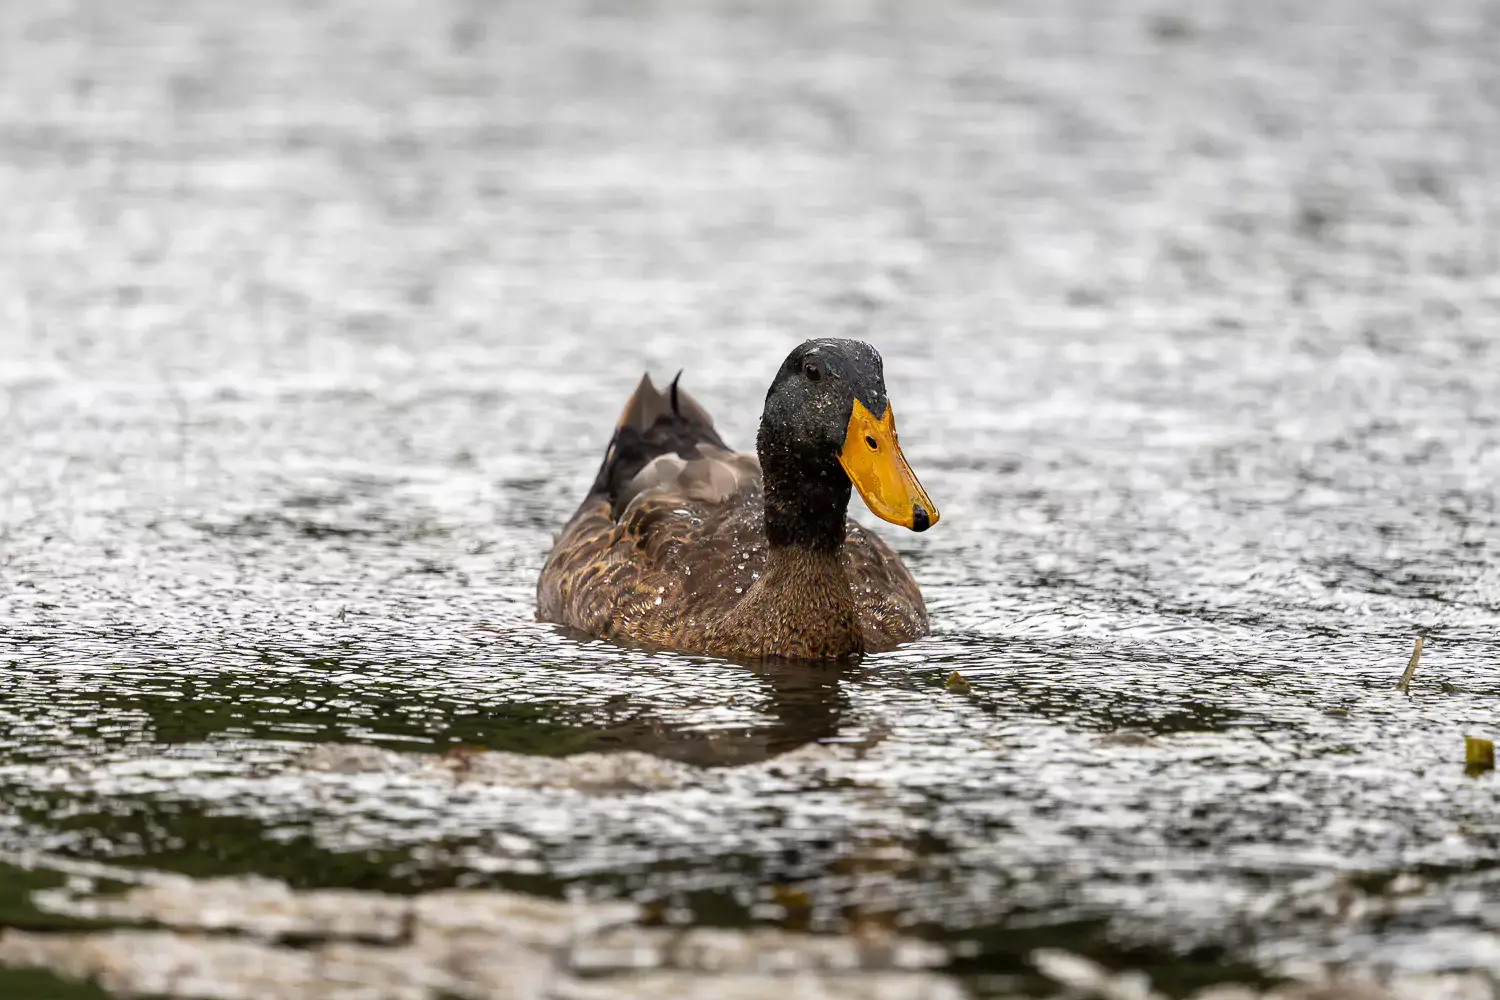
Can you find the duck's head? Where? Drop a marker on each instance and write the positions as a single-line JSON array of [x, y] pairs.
[[828, 425]]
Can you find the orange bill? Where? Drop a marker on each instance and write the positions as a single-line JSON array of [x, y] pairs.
[[876, 467]]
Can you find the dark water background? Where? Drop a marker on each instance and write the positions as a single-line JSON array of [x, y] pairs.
[[314, 320]]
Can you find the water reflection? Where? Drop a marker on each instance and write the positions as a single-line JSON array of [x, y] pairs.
[[802, 704], [1190, 329]]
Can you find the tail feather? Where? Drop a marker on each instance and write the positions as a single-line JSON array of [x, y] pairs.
[[687, 408], [652, 423], [645, 404]]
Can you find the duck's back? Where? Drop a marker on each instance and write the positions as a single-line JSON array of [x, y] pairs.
[[672, 536]]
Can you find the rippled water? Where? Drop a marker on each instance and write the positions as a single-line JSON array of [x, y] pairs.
[[314, 324]]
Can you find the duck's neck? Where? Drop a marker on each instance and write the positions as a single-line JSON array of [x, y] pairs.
[[806, 502]]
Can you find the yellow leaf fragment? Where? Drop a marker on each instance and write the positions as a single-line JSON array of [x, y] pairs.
[[1479, 754]]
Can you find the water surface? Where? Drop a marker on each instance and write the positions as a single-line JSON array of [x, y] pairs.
[[315, 321]]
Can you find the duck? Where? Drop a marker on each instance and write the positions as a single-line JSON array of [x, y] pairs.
[[684, 544]]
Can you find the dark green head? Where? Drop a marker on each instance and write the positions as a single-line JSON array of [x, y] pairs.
[[828, 426]]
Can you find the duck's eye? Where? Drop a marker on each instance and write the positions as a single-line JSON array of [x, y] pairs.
[[813, 371], [870, 440]]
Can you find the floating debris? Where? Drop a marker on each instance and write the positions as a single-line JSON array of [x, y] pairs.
[[1479, 755], [957, 684], [1125, 738], [268, 940], [1082, 977], [1411, 667], [759, 950], [589, 773], [256, 907], [459, 756]]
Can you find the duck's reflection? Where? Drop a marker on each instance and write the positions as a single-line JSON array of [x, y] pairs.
[[807, 703]]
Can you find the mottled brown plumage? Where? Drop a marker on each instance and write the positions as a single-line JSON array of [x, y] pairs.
[[671, 547]]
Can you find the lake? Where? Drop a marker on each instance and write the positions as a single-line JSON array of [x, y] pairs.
[[315, 319]]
